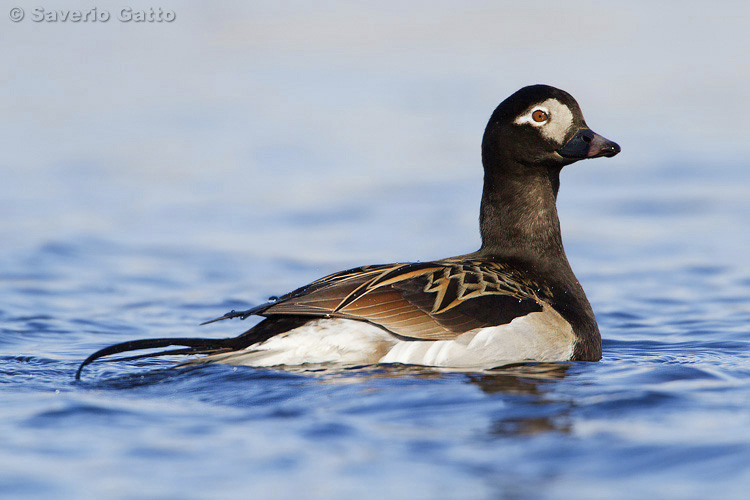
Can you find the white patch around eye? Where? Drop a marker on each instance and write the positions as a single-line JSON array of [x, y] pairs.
[[556, 126], [529, 117]]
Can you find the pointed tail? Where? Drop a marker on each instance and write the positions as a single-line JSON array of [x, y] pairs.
[[258, 333], [193, 345]]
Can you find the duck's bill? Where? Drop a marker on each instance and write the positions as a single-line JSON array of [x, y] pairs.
[[588, 144]]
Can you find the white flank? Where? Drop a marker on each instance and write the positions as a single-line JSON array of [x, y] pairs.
[[322, 341], [539, 336]]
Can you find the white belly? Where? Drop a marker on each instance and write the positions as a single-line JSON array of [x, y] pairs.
[[539, 336]]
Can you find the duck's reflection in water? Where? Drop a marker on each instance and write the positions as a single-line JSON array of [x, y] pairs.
[[539, 413], [530, 386]]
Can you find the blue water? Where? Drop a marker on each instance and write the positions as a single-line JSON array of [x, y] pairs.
[[154, 177]]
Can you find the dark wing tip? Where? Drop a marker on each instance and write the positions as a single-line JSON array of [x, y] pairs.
[[220, 318], [240, 314]]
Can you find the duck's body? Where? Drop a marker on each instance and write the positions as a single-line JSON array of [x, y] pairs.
[[463, 312], [516, 299], [541, 336]]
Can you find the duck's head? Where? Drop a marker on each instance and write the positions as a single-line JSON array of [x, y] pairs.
[[541, 126]]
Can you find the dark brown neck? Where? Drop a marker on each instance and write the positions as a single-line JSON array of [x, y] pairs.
[[518, 215]]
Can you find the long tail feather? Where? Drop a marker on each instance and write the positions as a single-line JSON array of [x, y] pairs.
[[259, 333], [195, 346]]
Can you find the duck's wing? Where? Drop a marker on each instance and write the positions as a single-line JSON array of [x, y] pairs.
[[427, 300]]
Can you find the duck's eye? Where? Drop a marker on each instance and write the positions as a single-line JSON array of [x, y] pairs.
[[539, 116]]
